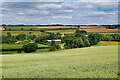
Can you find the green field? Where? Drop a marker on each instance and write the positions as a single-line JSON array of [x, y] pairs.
[[18, 46], [106, 43], [29, 28], [63, 31], [21, 32], [90, 62]]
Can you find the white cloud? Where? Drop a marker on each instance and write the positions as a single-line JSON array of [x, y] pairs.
[[20, 13], [66, 13], [49, 6], [31, 0], [56, 17], [104, 13]]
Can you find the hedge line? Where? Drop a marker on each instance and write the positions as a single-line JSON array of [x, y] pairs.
[[22, 49]]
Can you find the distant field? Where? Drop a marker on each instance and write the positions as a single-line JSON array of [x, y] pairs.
[[63, 31], [18, 46], [100, 30], [21, 32], [34, 28], [90, 62], [106, 43], [56, 27]]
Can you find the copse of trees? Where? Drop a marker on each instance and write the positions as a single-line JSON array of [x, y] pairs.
[[8, 39], [93, 39], [76, 40], [30, 47], [43, 38], [80, 31], [20, 37]]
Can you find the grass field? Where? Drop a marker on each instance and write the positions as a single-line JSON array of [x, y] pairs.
[[21, 32], [18, 46], [101, 30], [90, 62], [28, 28], [63, 31], [106, 43]]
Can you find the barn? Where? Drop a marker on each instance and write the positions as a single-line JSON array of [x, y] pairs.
[[56, 40]]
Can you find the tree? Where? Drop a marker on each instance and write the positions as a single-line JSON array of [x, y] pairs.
[[30, 32], [30, 47], [41, 38], [92, 39], [30, 29], [21, 37], [9, 34], [21, 28], [79, 42], [43, 30], [86, 41], [54, 46], [80, 31], [78, 27]]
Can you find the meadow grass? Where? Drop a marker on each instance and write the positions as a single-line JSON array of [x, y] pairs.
[[89, 62], [18, 46], [12, 46], [106, 43]]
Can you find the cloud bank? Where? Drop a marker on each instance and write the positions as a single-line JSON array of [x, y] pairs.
[[60, 12]]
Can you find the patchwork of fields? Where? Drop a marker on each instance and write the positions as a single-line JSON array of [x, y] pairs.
[[100, 30], [90, 62], [99, 61]]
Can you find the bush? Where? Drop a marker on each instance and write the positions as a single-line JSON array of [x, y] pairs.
[[21, 28], [19, 51], [30, 29], [30, 32], [30, 47], [53, 48], [9, 29], [43, 30]]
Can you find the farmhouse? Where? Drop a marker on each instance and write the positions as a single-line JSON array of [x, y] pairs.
[[56, 40]]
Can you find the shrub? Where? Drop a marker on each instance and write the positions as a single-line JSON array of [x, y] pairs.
[[30, 32], [9, 29], [30, 29], [30, 47], [19, 51], [53, 48], [43, 30], [21, 28]]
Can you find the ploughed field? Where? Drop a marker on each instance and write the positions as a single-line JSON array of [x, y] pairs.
[[100, 30], [89, 62]]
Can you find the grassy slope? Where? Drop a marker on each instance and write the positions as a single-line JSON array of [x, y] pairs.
[[93, 62]]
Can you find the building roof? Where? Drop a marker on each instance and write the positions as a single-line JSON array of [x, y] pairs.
[[54, 40]]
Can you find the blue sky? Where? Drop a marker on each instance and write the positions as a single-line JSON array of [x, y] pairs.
[[63, 12]]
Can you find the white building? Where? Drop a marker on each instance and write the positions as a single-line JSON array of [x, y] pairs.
[[56, 40]]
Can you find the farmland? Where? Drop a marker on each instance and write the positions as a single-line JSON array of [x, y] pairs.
[[91, 62], [81, 57], [21, 32], [101, 30]]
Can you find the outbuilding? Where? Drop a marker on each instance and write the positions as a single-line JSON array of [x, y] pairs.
[[56, 40]]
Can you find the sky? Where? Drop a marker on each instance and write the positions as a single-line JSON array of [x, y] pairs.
[[81, 12]]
